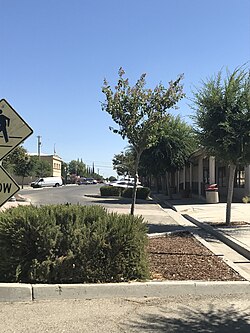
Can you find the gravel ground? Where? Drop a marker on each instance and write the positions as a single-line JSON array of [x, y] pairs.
[[182, 257]]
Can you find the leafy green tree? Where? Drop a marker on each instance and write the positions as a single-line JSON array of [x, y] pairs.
[[139, 112], [112, 178], [11, 159], [77, 167], [176, 143], [171, 153], [64, 171], [222, 117], [19, 163], [124, 163], [41, 168], [24, 168], [73, 167]]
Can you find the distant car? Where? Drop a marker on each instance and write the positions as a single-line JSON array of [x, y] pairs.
[[124, 184], [86, 181]]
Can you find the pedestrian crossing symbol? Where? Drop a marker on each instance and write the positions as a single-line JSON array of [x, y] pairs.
[[13, 129]]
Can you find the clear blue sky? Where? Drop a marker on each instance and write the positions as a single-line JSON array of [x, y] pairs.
[[55, 54]]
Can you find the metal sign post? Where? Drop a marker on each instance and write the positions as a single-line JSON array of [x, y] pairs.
[[13, 131]]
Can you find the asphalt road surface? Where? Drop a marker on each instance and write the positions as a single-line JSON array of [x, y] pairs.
[[215, 314], [74, 194]]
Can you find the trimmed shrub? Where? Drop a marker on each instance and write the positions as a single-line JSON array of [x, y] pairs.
[[71, 244], [113, 191], [246, 199], [141, 193]]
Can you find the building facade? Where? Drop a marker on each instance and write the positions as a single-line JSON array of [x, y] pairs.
[[203, 170], [199, 172], [56, 164]]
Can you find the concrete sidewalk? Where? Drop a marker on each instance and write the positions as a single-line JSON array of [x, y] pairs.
[[19, 200], [205, 214]]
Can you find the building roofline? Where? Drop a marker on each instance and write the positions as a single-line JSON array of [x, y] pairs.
[[46, 155]]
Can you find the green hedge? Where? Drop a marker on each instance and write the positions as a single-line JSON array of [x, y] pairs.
[[71, 244], [141, 193], [107, 191]]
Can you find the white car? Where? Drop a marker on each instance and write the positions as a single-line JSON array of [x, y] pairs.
[[124, 184], [47, 181]]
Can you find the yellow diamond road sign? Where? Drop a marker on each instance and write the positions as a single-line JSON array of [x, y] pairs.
[[8, 187], [13, 129]]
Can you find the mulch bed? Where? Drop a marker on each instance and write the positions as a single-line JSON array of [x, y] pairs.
[[182, 257]]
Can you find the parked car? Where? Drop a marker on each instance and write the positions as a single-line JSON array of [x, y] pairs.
[[86, 181], [124, 184], [47, 182]]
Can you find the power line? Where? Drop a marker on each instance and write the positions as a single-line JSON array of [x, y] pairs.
[[96, 162]]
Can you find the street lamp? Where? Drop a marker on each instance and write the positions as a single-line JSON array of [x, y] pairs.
[[66, 174]]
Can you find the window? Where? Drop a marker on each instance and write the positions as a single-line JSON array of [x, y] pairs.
[[239, 180], [205, 175], [222, 176], [56, 166]]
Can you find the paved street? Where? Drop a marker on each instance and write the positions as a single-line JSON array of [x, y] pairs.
[[174, 314]]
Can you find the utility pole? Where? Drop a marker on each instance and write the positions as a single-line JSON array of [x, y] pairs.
[[39, 143]]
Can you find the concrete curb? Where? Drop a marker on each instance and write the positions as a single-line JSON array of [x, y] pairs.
[[139, 289], [233, 243], [25, 292], [15, 292]]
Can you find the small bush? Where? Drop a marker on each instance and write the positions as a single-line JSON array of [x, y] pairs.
[[107, 191], [246, 199], [141, 193], [71, 244]]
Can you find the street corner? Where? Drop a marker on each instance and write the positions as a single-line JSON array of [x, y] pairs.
[[20, 198], [13, 204]]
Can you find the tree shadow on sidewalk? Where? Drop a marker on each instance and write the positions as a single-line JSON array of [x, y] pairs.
[[117, 200], [185, 320], [159, 228]]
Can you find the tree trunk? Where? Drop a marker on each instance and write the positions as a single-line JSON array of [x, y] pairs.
[[132, 210], [157, 183], [163, 184], [168, 185], [230, 190]]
